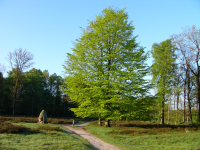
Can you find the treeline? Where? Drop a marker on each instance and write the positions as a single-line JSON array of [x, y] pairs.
[[176, 74], [32, 91]]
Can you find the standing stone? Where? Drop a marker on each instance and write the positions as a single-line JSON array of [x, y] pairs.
[[42, 117]]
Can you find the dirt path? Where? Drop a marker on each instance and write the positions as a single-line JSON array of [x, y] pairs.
[[96, 142]]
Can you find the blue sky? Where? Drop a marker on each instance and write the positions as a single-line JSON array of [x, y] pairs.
[[47, 28]]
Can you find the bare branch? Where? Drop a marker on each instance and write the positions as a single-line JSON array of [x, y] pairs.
[[20, 59], [188, 43], [2, 68]]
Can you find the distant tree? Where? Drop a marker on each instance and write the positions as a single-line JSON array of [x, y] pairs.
[[33, 92], [163, 68], [6, 103], [54, 83], [188, 44], [106, 70], [2, 84], [19, 61], [2, 68], [177, 89]]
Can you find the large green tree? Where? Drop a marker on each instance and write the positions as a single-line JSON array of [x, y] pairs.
[[105, 72], [163, 68]]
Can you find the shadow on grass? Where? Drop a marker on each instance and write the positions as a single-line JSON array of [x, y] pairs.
[[147, 125]]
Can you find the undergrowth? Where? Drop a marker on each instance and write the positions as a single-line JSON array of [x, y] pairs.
[[35, 120], [143, 124], [6, 127], [141, 127], [152, 131]]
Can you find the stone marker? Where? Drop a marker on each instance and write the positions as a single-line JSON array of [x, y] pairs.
[[42, 117]]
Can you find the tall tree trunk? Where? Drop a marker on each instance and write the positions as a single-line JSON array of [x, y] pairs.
[[14, 100], [188, 96], [177, 106], [168, 111], [162, 112], [107, 123], [184, 102], [99, 122], [198, 98], [13, 108]]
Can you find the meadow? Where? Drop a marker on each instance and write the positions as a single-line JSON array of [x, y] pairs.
[[137, 135], [26, 135]]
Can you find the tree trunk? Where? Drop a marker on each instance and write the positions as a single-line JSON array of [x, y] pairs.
[[198, 96], [177, 106], [168, 112], [14, 101], [13, 108], [188, 96], [107, 123], [184, 103], [162, 113], [99, 122]]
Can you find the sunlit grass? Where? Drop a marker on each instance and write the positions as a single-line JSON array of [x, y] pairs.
[[45, 139], [154, 140]]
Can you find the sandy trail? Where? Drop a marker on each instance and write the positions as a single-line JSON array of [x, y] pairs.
[[95, 141]]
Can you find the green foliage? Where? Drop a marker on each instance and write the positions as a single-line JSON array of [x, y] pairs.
[[163, 69], [36, 90], [163, 66], [106, 70]]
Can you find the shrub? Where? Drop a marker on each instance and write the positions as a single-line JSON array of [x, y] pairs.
[[10, 128], [6, 127], [35, 120], [142, 124]]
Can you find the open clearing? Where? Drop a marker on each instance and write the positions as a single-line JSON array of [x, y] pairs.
[[90, 136]]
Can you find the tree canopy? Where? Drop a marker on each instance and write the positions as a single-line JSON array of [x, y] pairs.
[[105, 73], [163, 68]]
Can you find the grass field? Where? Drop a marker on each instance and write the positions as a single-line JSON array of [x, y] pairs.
[[44, 139], [132, 135], [135, 138]]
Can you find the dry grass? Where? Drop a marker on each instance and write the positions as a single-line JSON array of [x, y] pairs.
[[146, 125], [151, 131], [35, 120], [10, 128], [6, 127]]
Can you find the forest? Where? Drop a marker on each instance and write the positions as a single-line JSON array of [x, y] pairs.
[[105, 77], [27, 93]]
